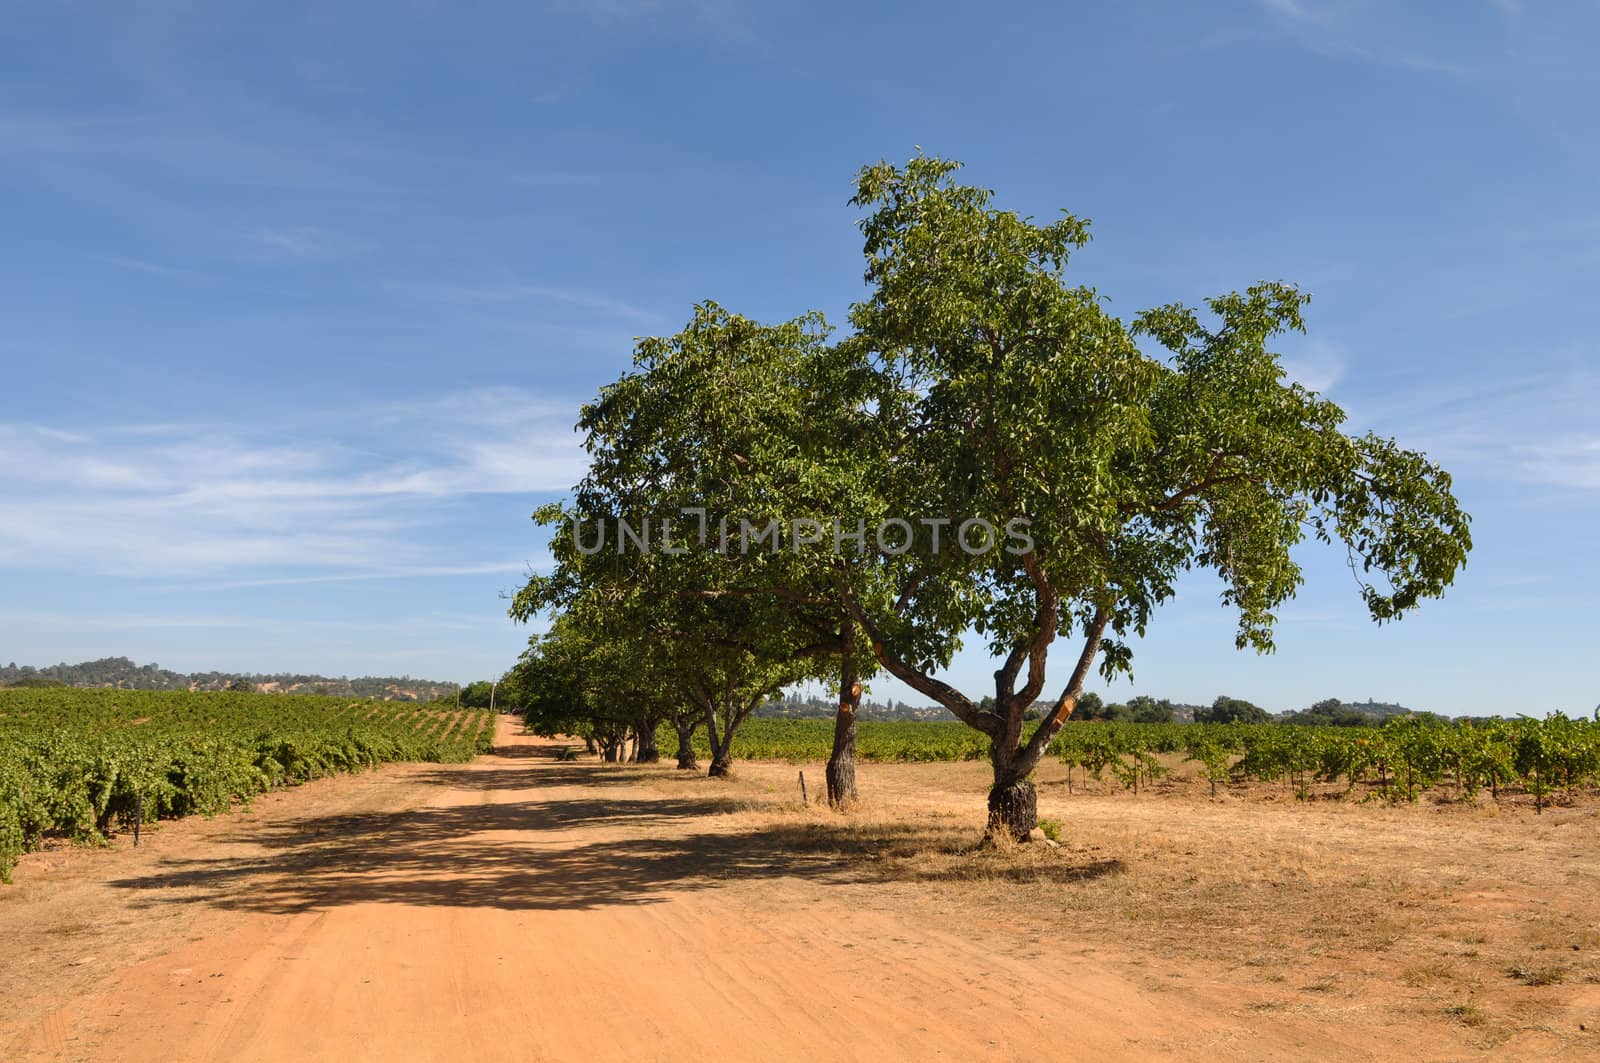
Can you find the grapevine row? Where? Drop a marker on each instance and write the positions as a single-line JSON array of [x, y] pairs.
[[78, 763], [1401, 760]]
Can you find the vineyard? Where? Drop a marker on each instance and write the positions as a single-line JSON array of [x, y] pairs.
[[812, 739], [77, 763], [1400, 761]]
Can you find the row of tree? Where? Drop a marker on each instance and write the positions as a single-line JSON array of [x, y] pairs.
[[987, 453]]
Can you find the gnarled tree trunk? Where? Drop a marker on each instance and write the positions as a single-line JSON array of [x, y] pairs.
[[1013, 802], [687, 761], [842, 761], [1013, 808], [645, 749], [721, 760]]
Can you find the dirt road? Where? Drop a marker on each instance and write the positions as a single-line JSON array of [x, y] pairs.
[[524, 908]]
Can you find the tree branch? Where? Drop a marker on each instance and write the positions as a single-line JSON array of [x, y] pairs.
[[1036, 649], [945, 694], [1069, 697]]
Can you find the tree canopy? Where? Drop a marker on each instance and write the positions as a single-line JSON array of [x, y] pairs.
[[1046, 471], [1231, 710]]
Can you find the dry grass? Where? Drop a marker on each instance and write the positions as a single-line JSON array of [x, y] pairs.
[[1319, 904], [1436, 972], [1546, 974], [1467, 1014]]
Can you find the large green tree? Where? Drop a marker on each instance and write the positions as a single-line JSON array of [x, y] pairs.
[[736, 450], [626, 652], [1024, 398], [681, 522], [598, 675], [562, 689], [1231, 710], [1146, 709]]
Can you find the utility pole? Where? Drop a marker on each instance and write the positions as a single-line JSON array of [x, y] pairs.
[[492, 688]]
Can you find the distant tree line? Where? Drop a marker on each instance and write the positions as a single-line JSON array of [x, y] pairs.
[[1092, 708], [122, 673], [1329, 712]]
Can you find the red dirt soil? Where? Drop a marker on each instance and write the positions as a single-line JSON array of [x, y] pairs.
[[525, 908]]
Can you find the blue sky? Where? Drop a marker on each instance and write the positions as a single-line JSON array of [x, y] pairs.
[[297, 302]]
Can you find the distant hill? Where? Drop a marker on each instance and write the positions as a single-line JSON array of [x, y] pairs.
[[122, 673]]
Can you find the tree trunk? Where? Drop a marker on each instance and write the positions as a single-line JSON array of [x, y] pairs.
[[686, 758], [722, 755], [1013, 808], [720, 744], [646, 751], [842, 761], [589, 746], [1013, 804]]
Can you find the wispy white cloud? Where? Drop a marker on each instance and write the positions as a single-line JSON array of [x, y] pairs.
[[1295, 9], [1353, 29], [1319, 365], [1532, 428], [587, 301], [341, 503], [491, 568], [728, 20], [154, 269], [1567, 461], [133, 621], [194, 188], [554, 178], [532, 294], [299, 243]]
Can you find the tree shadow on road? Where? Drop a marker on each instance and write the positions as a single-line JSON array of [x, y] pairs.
[[510, 856], [547, 772], [544, 853]]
